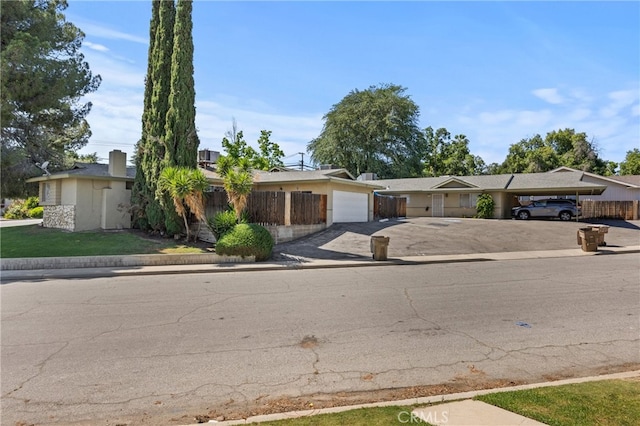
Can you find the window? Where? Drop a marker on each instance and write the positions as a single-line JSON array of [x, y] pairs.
[[468, 200], [45, 197]]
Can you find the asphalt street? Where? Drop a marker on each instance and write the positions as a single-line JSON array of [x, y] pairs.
[[163, 349]]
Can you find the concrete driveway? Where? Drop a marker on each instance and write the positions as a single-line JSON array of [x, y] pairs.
[[445, 236]]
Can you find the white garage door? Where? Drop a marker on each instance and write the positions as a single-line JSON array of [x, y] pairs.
[[350, 207]]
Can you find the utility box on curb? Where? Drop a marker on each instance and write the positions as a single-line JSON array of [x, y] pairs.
[[379, 247], [588, 239]]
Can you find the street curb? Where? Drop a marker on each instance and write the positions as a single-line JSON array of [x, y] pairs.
[[419, 401], [247, 265], [114, 261]]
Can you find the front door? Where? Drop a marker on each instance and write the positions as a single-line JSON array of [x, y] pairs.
[[437, 208]]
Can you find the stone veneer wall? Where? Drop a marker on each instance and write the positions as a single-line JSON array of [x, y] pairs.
[[61, 217]]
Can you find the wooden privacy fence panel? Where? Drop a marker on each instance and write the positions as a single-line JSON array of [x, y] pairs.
[[215, 201], [386, 206], [308, 209], [263, 207], [627, 210], [266, 207]]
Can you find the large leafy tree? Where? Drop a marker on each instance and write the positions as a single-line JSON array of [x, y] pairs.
[[43, 78], [562, 147], [530, 155], [372, 130], [631, 163], [576, 151], [446, 156]]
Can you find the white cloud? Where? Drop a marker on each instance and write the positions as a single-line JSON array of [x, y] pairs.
[[618, 101], [95, 46], [614, 127], [115, 71], [549, 95], [101, 31]]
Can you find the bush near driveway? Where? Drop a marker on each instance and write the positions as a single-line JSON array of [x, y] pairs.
[[246, 239]]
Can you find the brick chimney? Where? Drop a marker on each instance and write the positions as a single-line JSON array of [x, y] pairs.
[[117, 163]]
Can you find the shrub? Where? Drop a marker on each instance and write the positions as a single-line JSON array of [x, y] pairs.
[[484, 206], [16, 210], [31, 203], [246, 239], [221, 223], [36, 213]]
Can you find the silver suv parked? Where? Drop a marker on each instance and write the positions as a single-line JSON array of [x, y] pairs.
[[560, 208]]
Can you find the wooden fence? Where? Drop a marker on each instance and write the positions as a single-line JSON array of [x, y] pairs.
[[269, 208], [266, 207], [626, 210], [215, 201], [308, 209], [387, 207]]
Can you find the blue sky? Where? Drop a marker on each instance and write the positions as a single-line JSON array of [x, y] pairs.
[[497, 72]]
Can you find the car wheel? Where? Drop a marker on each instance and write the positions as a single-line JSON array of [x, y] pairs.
[[524, 215], [565, 216]]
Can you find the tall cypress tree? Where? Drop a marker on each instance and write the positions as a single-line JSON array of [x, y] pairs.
[[140, 195], [151, 151], [181, 139]]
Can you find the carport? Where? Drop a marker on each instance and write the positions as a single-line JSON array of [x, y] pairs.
[[561, 184]]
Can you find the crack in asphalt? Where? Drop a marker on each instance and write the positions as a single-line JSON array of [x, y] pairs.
[[446, 329], [40, 367]]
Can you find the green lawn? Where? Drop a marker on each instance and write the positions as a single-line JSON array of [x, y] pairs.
[[610, 402], [35, 241], [383, 416]]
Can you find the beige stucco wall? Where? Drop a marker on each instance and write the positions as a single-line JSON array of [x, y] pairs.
[[503, 203], [89, 203], [116, 206], [87, 198], [417, 204]]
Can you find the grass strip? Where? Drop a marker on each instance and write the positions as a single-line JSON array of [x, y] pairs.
[[381, 416], [608, 402]]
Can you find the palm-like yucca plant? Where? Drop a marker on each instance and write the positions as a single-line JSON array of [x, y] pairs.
[[237, 181], [238, 184], [185, 186]]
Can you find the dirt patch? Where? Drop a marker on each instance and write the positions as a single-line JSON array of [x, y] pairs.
[[233, 411], [160, 239], [309, 342], [475, 379]]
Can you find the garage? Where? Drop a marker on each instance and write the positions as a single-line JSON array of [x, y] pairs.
[[350, 207]]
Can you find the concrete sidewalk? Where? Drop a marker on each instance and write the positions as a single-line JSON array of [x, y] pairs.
[[451, 410], [181, 266]]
